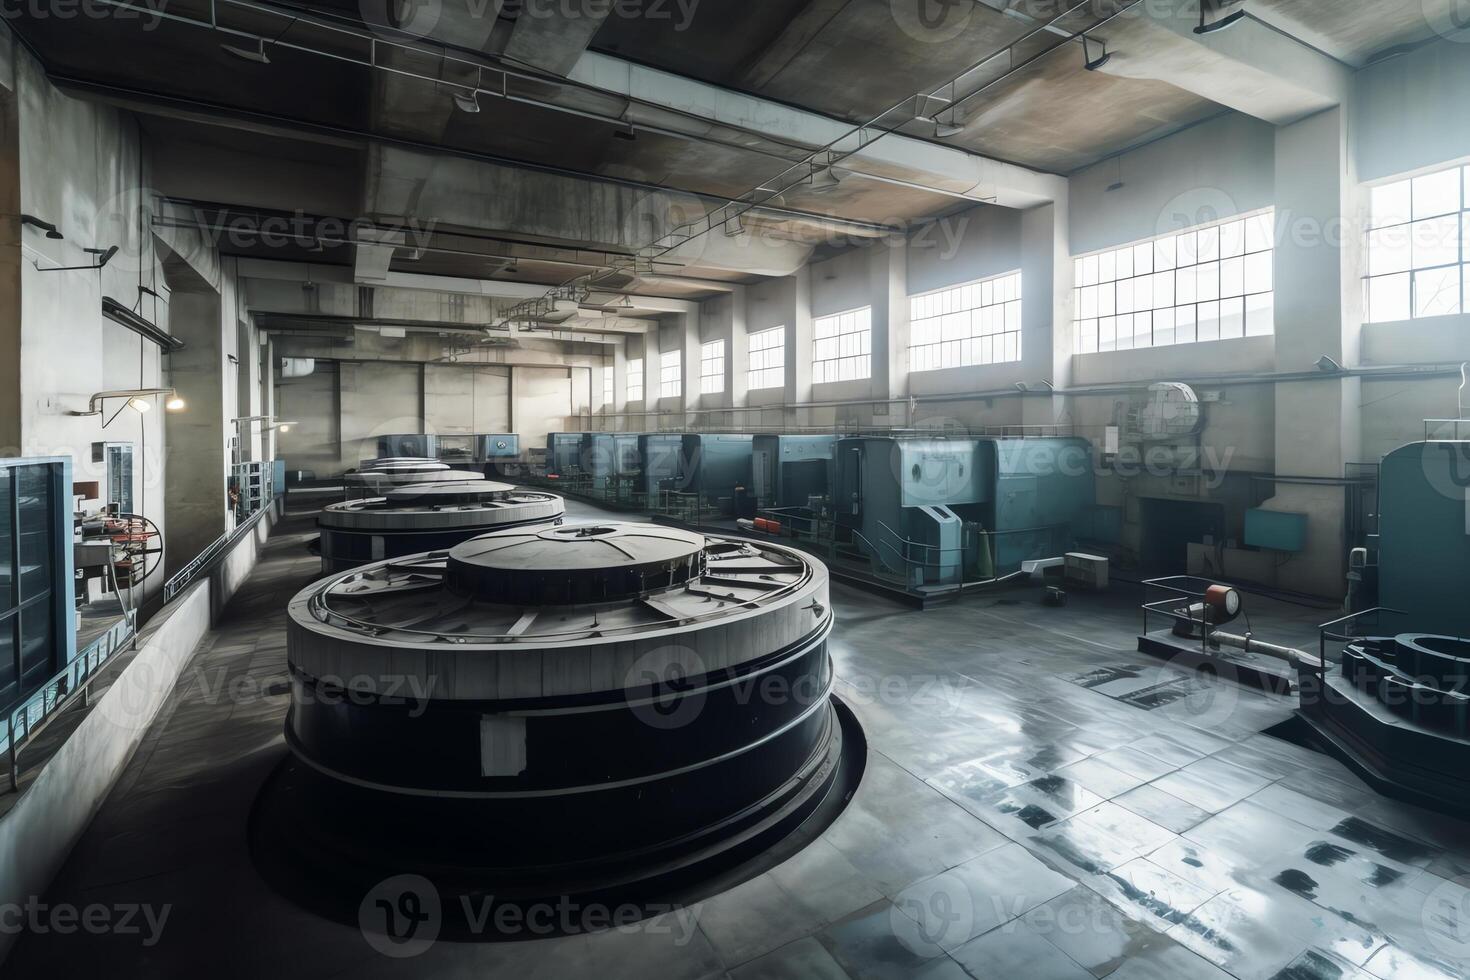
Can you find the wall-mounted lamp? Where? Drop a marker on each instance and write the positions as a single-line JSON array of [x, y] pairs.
[[51, 230], [1091, 63], [1328, 365], [1227, 21], [101, 256], [139, 400]]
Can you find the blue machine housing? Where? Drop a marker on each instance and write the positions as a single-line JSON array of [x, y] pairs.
[[38, 619], [415, 445], [611, 458], [477, 448], [564, 454], [709, 465], [788, 470], [1424, 535], [930, 508]]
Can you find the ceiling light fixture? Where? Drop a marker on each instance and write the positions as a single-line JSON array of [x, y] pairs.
[[468, 99], [255, 55], [46, 226], [138, 399], [1088, 61], [946, 130], [1224, 22], [825, 179]]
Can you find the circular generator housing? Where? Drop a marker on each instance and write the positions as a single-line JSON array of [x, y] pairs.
[[427, 517], [579, 697]]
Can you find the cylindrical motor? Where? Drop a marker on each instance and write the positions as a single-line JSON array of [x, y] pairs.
[[427, 517], [577, 695]]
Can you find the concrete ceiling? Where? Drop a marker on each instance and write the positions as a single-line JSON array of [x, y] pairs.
[[571, 160]]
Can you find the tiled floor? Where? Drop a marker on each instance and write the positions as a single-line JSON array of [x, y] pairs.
[[1016, 820]]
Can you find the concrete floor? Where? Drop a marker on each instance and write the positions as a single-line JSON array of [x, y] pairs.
[[1035, 805]]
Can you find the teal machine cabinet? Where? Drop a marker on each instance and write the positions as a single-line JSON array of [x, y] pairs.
[[611, 458], [38, 629], [1424, 535], [786, 471], [709, 465], [907, 501], [929, 509], [1043, 495], [564, 454]]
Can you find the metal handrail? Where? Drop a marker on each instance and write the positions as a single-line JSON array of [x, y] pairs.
[[1438, 422], [186, 575], [24, 722]]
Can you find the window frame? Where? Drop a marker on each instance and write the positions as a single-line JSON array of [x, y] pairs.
[[771, 366], [829, 370], [633, 383], [1219, 253], [712, 367], [671, 374], [951, 307], [1406, 224]]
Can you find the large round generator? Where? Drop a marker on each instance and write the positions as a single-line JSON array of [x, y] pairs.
[[561, 709], [378, 476], [427, 517]]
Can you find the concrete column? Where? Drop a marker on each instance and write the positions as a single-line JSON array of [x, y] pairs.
[[11, 234], [620, 389], [197, 465], [888, 280], [692, 350], [1047, 335], [651, 350], [799, 338], [735, 329], [1318, 311]]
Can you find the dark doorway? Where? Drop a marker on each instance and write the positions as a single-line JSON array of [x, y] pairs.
[[1171, 526]]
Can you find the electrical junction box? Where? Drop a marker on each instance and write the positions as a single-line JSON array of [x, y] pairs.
[[1276, 530], [1090, 571]]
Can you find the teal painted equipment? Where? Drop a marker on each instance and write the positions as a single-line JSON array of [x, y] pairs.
[[1276, 530], [787, 471], [928, 509], [1424, 535]]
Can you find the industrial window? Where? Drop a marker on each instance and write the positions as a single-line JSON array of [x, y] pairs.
[[712, 368], [1418, 259], [607, 387], [843, 348], [767, 359], [635, 379], [32, 624], [966, 325], [1212, 282], [670, 371]]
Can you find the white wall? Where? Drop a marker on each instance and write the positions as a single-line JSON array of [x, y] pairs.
[[1412, 112], [1211, 171], [80, 169]]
